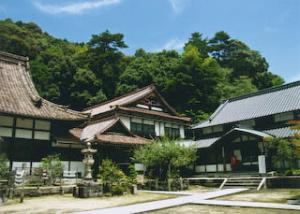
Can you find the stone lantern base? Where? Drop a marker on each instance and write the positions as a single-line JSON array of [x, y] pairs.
[[88, 189]]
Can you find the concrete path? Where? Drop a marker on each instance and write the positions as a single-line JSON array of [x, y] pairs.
[[247, 204], [162, 204]]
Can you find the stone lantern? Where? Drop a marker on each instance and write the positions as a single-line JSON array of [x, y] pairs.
[[88, 188], [88, 160]]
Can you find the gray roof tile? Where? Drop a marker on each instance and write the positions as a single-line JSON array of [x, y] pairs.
[[262, 103], [18, 95]]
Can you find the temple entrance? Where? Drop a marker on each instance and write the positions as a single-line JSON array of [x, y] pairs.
[[236, 151], [242, 156]]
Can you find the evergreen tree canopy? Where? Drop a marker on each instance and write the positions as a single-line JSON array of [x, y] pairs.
[[82, 74]]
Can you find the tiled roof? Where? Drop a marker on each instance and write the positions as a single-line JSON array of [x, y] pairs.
[[203, 143], [91, 130], [121, 139], [18, 95], [154, 113], [262, 103], [97, 131], [249, 131], [282, 132], [127, 99]]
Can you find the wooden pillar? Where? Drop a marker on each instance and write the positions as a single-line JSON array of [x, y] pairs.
[[224, 158]]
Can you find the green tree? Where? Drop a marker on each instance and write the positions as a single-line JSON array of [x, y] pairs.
[[53, 166], [86, 89], [201, 44], [83, 74], [4, 169], [132, 177], [163, 157], [239, 86], [281, 152], [195, 84], [106, 59], [112, 177], [242, 61]]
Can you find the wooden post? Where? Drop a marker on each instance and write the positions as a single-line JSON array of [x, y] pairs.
[[22, 194], [181, 183], [156, 184], [169, 184], [224, 159]]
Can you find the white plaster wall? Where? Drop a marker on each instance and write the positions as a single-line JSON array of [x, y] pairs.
[[181, 129], [200, 168], [161, 129], [125, 121], [211, 168], [157, 128], [220, 167], [19, 166], [77, 166], [6, 132]]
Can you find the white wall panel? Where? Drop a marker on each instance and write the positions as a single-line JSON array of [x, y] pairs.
[[5, 132], [211, 168], [182, 135], [220, 167], [126, 121], [200, 168]]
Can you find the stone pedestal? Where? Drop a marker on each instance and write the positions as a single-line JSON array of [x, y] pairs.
[[133, 189], [86, 190]]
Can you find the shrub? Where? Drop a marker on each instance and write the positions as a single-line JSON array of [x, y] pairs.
[[281, 151], [4, 169], [132, 174], [292, 172], [36, 177], [53, 166], [113, 178]]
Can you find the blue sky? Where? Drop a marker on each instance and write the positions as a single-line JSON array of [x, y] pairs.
[[269, 26]]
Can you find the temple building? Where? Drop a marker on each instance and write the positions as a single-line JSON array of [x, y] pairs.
[[32, 128], [133, 119], [232, 139]]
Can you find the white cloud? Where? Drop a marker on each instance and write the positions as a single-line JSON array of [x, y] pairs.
[[73, 7], [172, 44], [178, 5]]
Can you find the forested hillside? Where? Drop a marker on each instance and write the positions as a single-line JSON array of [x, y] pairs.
[[82, 74]]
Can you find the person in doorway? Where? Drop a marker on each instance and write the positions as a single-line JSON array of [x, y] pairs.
[[233, 162]]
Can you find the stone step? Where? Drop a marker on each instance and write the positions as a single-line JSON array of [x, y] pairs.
[[246, 178], [243, 181], [241, 184], [246, 182]]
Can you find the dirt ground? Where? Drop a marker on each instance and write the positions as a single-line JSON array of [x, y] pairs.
[[67, 203], [266, 195], [203, 209]]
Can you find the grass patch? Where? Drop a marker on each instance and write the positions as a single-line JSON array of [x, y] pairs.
[[265, 195], [204, 209]]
